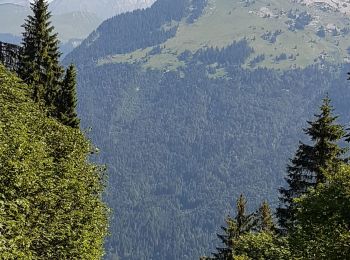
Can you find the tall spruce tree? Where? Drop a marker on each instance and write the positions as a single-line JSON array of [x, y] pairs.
[[67, 99], [264, 219], [236, 227], [310, 163], [39, 63]]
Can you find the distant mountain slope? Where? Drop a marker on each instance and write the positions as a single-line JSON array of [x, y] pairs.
[[284, 34], [193, 102], [102, 8], [74, 19], [15, 2], [12, 17]]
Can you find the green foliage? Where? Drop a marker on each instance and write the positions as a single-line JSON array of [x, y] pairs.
[[310, 163], [251, 236], [39, 67], [321, 213], [39, 62], [264, 219], [262, 246], [50, 195], [234, 229], [67, 101], [323, 218], [172, 140]]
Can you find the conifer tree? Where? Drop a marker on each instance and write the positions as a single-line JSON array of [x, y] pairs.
[[39, 63], [264, 219], [310, 163], [236, 227], [67, 101]]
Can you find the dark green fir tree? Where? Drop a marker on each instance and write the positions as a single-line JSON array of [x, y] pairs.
[[264, 219], [310, 163], [66, 102], [235, 227], [39, 63]]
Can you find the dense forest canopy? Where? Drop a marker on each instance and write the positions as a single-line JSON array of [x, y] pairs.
[[313, 214], [180, 143]]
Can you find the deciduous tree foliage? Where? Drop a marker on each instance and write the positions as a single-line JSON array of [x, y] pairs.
[[323, 215], [50, 194]]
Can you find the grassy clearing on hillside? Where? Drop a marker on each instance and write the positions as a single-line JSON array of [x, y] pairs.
[[225, 21]]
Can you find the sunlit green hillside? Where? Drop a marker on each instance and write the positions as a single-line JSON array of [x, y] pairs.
[[286, 34]]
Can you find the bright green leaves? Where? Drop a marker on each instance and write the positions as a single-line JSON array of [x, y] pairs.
[[323, 230], [50, 195]]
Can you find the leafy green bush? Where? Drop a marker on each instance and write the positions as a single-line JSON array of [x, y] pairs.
[[50, 195]]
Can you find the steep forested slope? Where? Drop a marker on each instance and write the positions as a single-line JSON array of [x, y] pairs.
[[185, 131]]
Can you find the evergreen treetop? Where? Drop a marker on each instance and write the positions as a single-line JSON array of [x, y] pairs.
[[67, 99], [310, 163], [39, 63], [264, 219], [235, 227]]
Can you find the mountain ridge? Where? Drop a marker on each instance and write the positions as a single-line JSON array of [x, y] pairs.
[[85, 20], [103, 9], [319, 35]]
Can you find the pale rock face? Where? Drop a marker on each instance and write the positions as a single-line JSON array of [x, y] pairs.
[[342, 6]]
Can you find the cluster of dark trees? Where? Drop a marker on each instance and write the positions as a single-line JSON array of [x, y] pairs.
[[313, 217], [233, 54], [9, 55], [50, 193]]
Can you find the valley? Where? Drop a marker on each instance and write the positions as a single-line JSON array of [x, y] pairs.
[[204, 102]]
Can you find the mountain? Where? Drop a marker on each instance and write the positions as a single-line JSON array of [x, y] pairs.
[[319, 32], [102, 8], [15, 2], [193, 102], [12, 17], [84, 15]]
